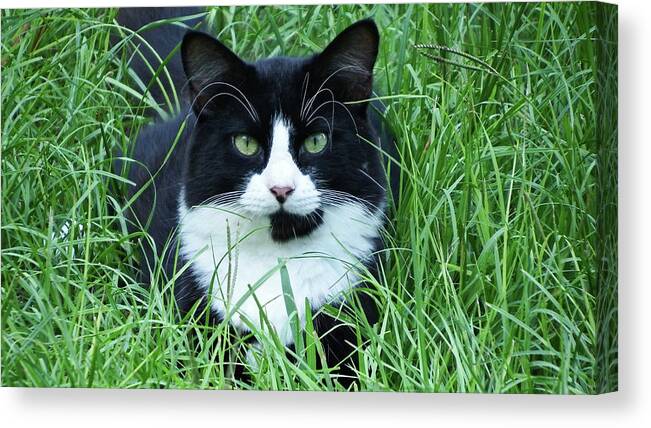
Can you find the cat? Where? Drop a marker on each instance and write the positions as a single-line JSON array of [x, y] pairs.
[[270, 162]]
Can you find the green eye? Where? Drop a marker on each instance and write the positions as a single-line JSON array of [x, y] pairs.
[[246, 145], [315, 143]]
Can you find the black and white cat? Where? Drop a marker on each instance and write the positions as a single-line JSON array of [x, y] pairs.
[[279, 160]]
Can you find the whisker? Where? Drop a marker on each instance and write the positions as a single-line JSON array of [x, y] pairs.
[[339, 103], [308, 107], [226, 199], [248, 106], [340, 197], [332, 113], [230, 95], [251, 108], [306, 82], [325, 120], [318, 91], [325, 103], [372, 179], [222, 197]]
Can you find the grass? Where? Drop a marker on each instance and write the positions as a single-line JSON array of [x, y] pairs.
[[501, 276]]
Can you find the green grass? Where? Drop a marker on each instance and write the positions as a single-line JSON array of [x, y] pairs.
[[501, 276]]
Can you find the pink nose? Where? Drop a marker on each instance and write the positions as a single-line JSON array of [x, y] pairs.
[[281, 193]]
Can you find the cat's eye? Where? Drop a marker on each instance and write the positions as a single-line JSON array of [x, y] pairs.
[[246, 145], [315, 143]]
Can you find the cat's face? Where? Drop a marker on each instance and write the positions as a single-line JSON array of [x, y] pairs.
[[279, 138]]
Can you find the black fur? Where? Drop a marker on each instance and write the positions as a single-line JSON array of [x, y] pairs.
[[204, 161]]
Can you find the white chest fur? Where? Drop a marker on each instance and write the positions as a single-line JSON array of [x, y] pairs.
[[230, 254]]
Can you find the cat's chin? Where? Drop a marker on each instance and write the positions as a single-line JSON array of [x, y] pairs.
[[286, 226]]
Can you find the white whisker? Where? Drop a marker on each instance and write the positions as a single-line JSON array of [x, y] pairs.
[[352, 118], [325, 120], [318, 91], [306, 82], [372, 179], [248, 106], [230, 95]]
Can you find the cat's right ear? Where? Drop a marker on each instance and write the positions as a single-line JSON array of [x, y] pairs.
[[208, 64]]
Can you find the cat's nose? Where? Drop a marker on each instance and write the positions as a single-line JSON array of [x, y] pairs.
[[281, 193]]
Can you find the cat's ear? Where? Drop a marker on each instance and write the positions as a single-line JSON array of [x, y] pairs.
[[347, 62], [207, 62]]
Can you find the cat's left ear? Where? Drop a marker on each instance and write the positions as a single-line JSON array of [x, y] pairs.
[[210, 67], [347, 62]]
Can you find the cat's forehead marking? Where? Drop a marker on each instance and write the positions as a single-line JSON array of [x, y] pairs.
[[281, 129], [281, 170]]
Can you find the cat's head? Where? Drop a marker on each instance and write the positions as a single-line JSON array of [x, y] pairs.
[[283, 138]]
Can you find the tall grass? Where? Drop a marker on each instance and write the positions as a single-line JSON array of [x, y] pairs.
[[499, 276]]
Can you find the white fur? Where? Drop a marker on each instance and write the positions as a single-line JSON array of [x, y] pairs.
[[321, 266], [281, 171], [232, 251]]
